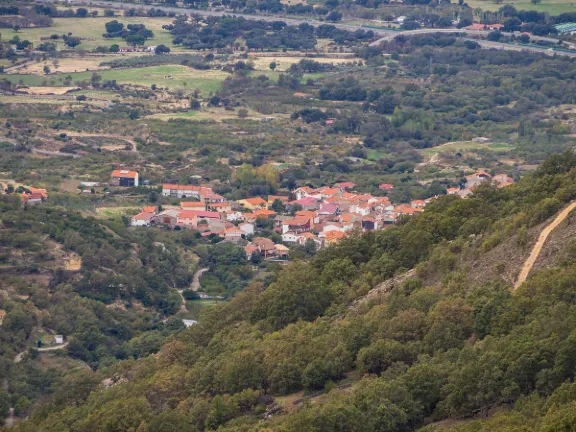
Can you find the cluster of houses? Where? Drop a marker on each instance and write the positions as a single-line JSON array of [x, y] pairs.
[[472, 181], [479, 26], [323, 215]]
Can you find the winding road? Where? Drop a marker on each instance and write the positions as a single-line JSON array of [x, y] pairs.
[[529, 263], [194, 286], [20, 356]]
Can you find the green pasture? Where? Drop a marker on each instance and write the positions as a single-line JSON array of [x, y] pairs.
[[465, 146], [92, 30], [167, 76]]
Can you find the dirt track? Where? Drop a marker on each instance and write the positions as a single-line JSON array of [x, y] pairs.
[[541, 240]]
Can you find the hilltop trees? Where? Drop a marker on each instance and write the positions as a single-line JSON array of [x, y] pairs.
[[134, 34]]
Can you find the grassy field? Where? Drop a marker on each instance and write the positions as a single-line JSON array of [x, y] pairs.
[[196, 306], [113, 212], [217, 114], [553, 7], [67, 65], [275, 75], [92, 29], [465, 146], [182, 77]]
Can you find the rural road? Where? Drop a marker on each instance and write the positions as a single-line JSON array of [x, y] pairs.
[[391, 36], [386, 34], [194, 286], [178, 10], [541, 240], [20, 356]]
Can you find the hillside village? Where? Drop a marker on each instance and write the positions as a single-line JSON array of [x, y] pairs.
[[317, 217]]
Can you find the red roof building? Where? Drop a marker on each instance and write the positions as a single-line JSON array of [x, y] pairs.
[[124, 178]]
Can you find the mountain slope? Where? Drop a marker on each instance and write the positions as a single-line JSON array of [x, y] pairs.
[[437, 346]]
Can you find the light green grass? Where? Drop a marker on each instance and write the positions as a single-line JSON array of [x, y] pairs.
[[182, 77], [273, 76], [465, 146], [553, 7], [375, 155], [92, 29], [115, 212]]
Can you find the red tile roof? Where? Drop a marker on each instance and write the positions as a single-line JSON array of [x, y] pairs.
[[254, 201], [124, 173], [143, 216], [192, 204]]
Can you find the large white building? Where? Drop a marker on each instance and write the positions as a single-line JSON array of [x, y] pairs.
[[181, 191]]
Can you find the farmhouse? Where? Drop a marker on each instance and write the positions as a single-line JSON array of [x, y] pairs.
[[32, 198], [142, 219], [124, 178]]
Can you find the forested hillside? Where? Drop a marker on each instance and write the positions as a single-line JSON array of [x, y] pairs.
[[435, 347], [90, 280]]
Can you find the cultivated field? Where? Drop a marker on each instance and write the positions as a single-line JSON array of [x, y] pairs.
[[65, 65], [48, 90]]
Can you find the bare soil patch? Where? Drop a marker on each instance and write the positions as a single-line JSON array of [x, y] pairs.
[[67, 65], [70, 185], [47, 90]]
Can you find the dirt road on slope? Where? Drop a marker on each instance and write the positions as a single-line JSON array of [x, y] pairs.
[[194, 286], [541, 240]]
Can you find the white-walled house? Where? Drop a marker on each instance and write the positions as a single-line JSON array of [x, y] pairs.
[[290, 237], [142, 219]]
